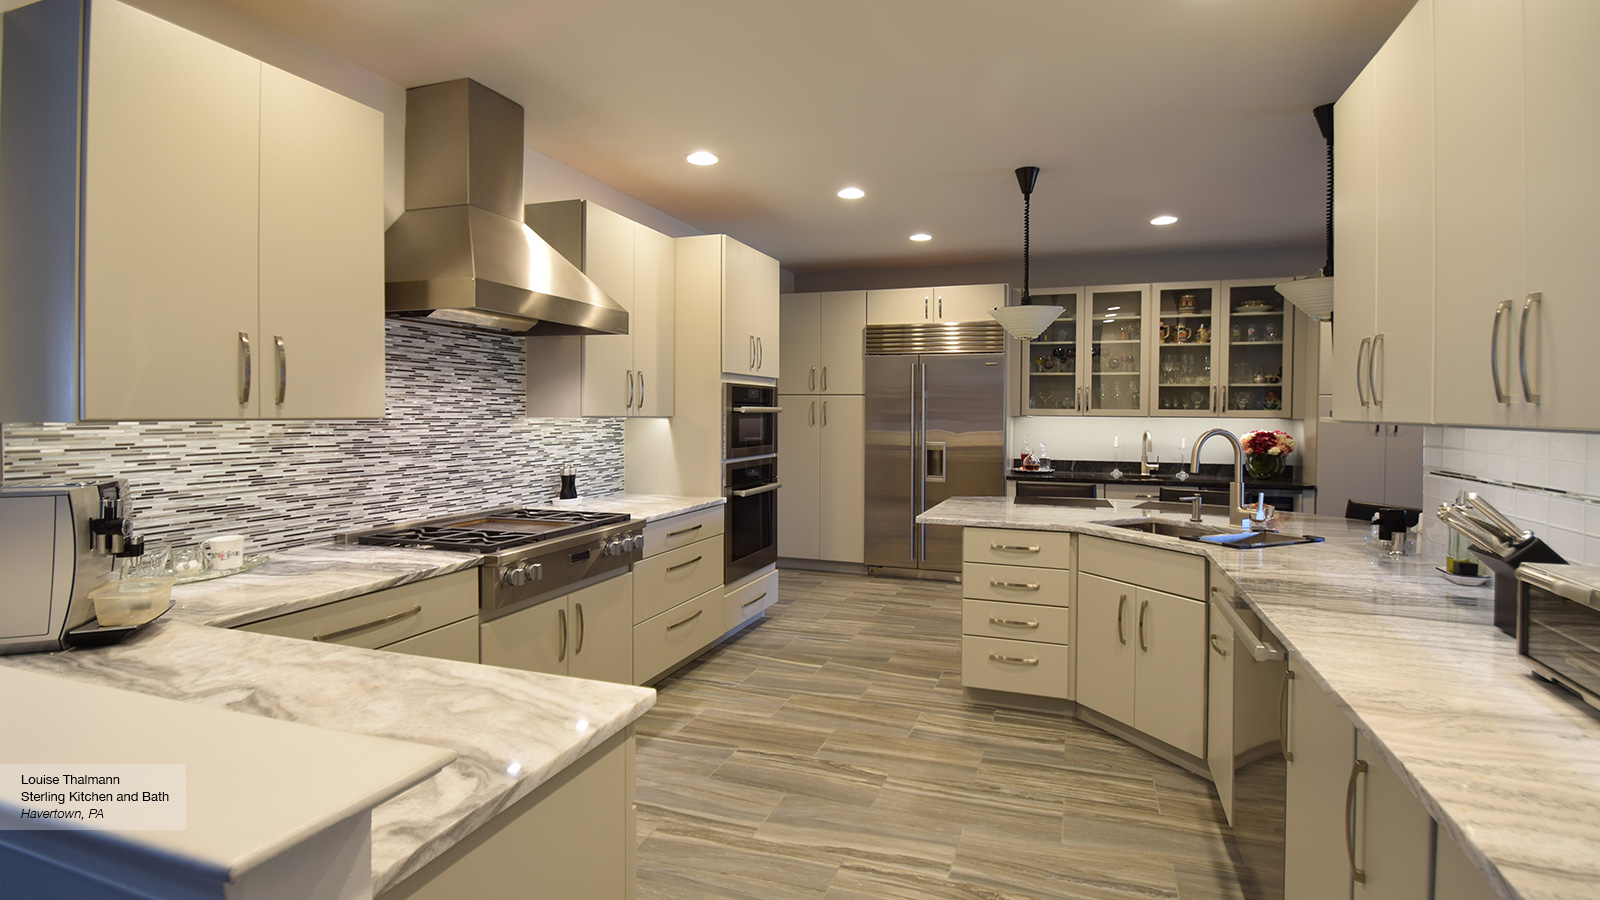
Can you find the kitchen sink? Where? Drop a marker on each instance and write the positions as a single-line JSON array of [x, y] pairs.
[[1167, 527], [1074, 502], [1262, 539], [1194, 531]]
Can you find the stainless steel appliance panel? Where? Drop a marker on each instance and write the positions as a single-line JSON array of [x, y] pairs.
[[962, 450], [1558, 625], [892, 489]]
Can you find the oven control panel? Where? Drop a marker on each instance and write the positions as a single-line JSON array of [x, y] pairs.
[[528, 576]]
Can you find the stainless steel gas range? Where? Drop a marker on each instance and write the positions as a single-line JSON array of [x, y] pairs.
[[529, 553]]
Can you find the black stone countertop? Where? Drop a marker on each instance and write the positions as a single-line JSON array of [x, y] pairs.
[[1210, 475]]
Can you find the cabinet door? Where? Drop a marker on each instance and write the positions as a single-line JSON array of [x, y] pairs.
[[1350, 465], [1455, 877], [1220, 748], [800, 316], [321, 328], [799, 471], [610, 385], [844, 317], [1563, 188], [1107, 646], [1050, 362], [171, 187], [1111, 361], [1322, 745], [842, 478], [764, 314], [1478, 229], [601, 622], [1255, 341], [899, 307], [1394, 844], [1355, 234], [533, 639], [1402, 370], [1188, 322], [1402, 465], [1170, 681], [738, 318], [652, 323], [967, 302]]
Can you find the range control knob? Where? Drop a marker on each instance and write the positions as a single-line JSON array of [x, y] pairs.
[[535, 571], [614, 547], [514, 576], [627, 543]]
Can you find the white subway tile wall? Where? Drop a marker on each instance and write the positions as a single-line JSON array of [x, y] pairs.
[[1547, 481], [453, 439]]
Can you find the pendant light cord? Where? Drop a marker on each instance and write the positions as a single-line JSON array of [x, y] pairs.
[[1027, 200]]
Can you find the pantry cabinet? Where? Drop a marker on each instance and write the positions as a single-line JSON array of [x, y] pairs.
[[822, 344], [935, 305], [823, 472], [743, 283], [231, 235], [586, 634], [618, 374]]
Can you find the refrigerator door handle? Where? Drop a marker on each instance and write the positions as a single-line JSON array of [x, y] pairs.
[[913, 467], [933, 460], [920, 502]]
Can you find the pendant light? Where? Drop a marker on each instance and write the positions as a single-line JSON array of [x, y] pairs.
[[1026, 321]]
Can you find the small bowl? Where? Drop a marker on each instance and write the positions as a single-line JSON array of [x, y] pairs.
[[131, 601]]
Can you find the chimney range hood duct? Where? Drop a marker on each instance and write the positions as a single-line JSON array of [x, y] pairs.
[[460, 255]]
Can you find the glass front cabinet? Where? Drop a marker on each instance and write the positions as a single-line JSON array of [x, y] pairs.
[[1180, 349], [1091, 359]]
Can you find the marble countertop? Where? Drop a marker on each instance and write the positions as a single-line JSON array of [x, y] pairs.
[[648, 507], [1508, 765], [511, 730], [303, 780]]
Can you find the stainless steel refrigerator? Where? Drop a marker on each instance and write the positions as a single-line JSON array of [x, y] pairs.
[[935, 421]]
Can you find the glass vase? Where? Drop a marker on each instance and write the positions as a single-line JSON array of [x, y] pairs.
[[1263, 466]]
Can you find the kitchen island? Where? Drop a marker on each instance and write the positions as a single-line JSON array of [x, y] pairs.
[[1508, 766]]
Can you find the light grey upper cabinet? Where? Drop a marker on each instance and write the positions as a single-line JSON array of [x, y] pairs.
[[822, 348], [614, 374], [961, 303], [231, 242]]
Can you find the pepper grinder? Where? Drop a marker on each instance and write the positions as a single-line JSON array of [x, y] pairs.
[[569, 483]]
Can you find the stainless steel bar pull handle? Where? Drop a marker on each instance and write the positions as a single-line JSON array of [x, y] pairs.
[[1015, 660], [1530, 387], [1013, 623], [811, 379], [1122, 607], [941, 307], [1372, 363], [1019, 548], [1017, 585], [824, 414], [824, 379], [1501, 394], [630, 389], [683, 531], [1216, 644], [1283, 716], [1144, 606], [245, 376], [926, 314], [754, 600], [813, 412], [1351, 822], [751, 492], [283, 368], [641, 390], [752, 352], [561, 619], [1363, 350], [761, 353], [684, 564], [578, 608], [346, 632], [686, 621]]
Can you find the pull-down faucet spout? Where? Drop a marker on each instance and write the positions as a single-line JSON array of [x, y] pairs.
[[1236, 511]]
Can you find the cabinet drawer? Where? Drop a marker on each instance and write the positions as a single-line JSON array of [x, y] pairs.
[[1164, 570], [662, 642], [1009, 547], [382, 617], [747, 602], [1016, 584], [680, 531], [1015, 621], [668, 579], [458, 641], [1021, 667]]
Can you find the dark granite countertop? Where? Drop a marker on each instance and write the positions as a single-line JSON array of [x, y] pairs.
[[1210, 475]]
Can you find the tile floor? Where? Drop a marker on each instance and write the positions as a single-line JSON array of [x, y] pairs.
[[828, 752]]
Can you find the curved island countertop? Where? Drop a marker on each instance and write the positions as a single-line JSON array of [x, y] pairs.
[[1508, 766]]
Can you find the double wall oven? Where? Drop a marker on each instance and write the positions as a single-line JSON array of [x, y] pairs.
[[750, 479]]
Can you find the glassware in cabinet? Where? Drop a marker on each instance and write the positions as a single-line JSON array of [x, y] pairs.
[[1189, 317], [1050, 361], [1258, 362], [1115, 322]]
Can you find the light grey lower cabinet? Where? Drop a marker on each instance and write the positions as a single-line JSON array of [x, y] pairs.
[[572, 837], [1016, 621], [1454, 876], [1352, 827], [429, 618], [586, 634]]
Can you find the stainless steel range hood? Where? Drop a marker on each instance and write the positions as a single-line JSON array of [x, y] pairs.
[[460, 255]]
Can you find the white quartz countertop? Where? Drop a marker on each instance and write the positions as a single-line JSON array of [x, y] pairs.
[[646, 507], [1508, 765], [511, 730], [301, 780]]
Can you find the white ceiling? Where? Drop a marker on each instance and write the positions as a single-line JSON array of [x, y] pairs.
[[1132, 108]]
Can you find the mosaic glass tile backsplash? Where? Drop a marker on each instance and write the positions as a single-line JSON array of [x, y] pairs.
[[453, 439]]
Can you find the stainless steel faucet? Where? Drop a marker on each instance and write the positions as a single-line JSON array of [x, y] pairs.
[[1236, 511], [1144, 455], [1194, 514]]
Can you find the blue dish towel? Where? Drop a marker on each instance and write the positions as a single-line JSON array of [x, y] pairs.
[[1225, 538]]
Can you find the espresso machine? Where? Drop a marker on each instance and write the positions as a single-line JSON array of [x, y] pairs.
[[59, 542]]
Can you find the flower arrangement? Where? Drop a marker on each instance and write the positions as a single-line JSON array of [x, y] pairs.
[[1268, 443]]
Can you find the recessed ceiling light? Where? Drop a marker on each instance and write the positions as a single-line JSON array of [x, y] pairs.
[[702, 158], [1163, 220], [852, 193], [921, 236]]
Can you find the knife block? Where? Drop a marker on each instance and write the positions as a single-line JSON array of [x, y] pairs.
[[1505, 578]]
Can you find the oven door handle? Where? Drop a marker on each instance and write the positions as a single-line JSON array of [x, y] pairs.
[[757, 409], [751, 492]]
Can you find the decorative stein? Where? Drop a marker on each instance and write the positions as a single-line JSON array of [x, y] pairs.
[[1166, 333], [1186, 303], [1204, 334], [1184, 335]]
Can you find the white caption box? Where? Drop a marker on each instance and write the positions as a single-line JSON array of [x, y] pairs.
[[111, 796]]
